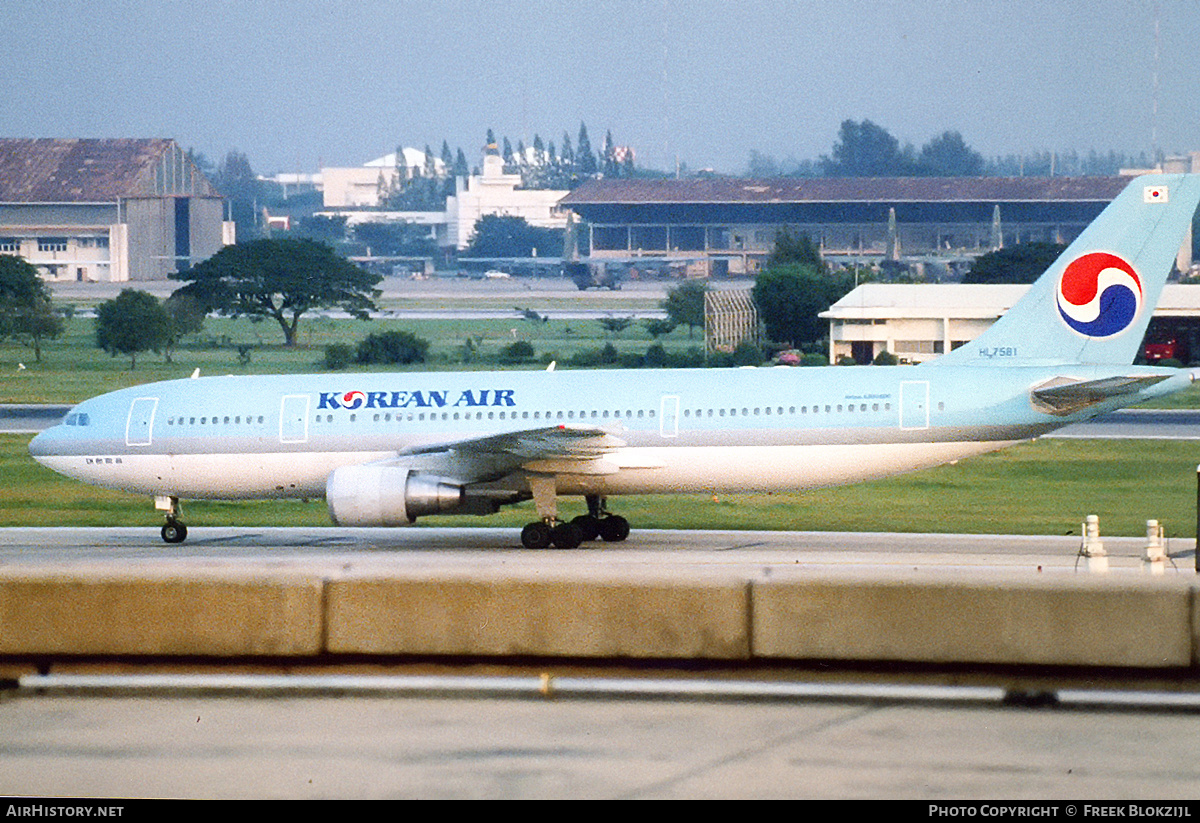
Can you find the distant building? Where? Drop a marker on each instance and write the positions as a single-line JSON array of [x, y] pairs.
[[730, 224], [367, 186], [495, 193], [918, 322], [107, 210], [359, 194]]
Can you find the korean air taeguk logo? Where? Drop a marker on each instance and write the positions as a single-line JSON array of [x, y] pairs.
[[1099, 294]]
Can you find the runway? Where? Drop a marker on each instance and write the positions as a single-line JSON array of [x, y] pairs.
[[498, 549]]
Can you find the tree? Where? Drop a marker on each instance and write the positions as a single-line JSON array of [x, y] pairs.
[[282, 280], [615, 325], [133, 321], [609, 155], [790, 298], [322, 229], [392, 347], [948, 155], [187, 317], [506, 236], [408, 239], [867, 150], [657, 327], [585, 158], [242, 190], [685, 305], [1023, 263], [26, 312], [790, 248]]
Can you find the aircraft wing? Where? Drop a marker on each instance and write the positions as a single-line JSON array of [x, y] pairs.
[[1063, 396], [551, 449]]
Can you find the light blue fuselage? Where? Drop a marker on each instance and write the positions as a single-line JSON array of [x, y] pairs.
[[697, 429]]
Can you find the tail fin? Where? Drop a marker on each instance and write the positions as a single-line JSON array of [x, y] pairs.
[[1093, 304]]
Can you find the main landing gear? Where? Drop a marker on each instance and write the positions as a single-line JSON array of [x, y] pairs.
[[549, 530], [173, 531]]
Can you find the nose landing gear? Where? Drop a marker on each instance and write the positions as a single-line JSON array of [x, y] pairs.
[[173, 531]]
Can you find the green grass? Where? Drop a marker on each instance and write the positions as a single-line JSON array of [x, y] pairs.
[[1045, 487], [72, 369]]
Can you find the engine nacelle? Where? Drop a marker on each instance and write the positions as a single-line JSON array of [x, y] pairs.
[[383, 495]]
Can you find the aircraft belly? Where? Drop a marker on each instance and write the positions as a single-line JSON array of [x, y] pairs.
[[213, 476], [289, 474], [730, 469]]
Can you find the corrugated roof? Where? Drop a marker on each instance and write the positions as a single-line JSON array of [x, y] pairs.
[[839, 190], [44, 170], [974, 300], [924, 300]]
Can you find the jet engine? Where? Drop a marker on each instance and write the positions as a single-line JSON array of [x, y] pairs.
[[387, 495]]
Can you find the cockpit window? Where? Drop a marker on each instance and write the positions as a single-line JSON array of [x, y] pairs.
[[77, 419]]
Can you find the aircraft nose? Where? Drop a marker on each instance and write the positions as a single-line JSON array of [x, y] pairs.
[[46, 444], [39, 446]]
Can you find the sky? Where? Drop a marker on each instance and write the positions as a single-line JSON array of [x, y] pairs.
[[305, 84]]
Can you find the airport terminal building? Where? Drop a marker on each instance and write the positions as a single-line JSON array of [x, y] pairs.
[[728, 225], [107, 210]]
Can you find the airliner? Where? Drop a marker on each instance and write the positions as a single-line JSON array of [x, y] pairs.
[[385, 449]]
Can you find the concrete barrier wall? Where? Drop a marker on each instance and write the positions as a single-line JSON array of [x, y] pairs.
[[558, 618], [81, 614], [1074, 621]]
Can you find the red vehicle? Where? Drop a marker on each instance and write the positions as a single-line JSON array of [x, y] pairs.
[[1165, 350]]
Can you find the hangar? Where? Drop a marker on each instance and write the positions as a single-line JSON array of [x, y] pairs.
[[107, 210], [730, 223]]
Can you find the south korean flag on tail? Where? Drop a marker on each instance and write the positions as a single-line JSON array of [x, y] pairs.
[[1154, 194]]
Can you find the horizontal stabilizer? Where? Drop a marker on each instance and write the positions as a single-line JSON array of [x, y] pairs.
[[1063, 396]]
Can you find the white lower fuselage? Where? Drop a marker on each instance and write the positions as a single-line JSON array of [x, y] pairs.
[[646, 470]]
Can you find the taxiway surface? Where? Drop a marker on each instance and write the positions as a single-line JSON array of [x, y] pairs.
[[499, 549]]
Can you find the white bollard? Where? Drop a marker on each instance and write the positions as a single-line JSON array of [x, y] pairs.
[[1156, 555], [1093, 546]]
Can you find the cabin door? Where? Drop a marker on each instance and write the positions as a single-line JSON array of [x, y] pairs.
[[139, 428], [293, 419], [914, 404], [668, 425]]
